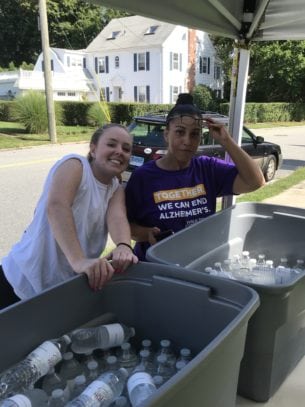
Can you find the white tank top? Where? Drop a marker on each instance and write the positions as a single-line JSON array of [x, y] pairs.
[[36, 262]]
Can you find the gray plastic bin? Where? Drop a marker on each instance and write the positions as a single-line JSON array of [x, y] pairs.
[[194, 310], [276, 334]]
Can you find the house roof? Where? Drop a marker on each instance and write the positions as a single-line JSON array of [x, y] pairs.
[[127, 32]]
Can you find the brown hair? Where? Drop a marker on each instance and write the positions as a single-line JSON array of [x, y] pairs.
[[99, 132]]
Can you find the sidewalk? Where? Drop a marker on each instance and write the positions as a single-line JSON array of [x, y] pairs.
[[294, 196]]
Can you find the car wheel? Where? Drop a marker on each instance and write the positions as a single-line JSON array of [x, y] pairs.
[[270, 168]]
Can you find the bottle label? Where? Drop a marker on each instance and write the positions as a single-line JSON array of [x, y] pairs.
[[139, 378], [21, 400], [116, 334], [45, 356], [99, 391]]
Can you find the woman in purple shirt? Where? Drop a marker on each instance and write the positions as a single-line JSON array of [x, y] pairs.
[[180, 189]]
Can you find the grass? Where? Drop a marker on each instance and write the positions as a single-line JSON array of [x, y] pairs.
[[274, 124], [13, 135], [271, 189], [274, 188]]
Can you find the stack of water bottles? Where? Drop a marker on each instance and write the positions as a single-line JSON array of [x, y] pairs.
[[258, 270], [91, 367]]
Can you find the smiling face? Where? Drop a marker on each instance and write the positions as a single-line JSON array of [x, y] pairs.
[[111, 153], [183, 138]]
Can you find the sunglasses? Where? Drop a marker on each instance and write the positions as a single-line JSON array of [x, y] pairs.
[[189, 120]]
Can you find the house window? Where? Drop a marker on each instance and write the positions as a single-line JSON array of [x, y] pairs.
[[102, 65], [175, 61], [151, 30], [117, 62], [142, 94], [61, 93], [76, 61], [217, 72], [141, 61], [113, 35], [204, 65], [71, 94], [52, 65], [174, 92]]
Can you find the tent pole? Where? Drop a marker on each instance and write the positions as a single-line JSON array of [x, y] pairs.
[[239, 82]]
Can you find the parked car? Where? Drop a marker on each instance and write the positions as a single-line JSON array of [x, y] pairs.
[[149, 143]]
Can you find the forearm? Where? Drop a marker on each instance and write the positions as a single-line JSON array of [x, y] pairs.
[[63, 227], [119, 229]]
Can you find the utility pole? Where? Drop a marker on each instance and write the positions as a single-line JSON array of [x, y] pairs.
[[47, 70]]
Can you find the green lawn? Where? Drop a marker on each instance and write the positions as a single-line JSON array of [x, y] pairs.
[[13, 135]]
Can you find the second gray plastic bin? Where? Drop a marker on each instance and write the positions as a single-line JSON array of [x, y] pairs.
[[193, 310], [276, 334]]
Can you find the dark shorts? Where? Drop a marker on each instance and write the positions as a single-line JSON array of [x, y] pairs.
[[7, 294]]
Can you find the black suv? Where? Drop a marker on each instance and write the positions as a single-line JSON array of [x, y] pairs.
[[149, 144]]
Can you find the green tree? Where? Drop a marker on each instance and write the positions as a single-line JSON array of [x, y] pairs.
[[72, 24], [18, 39], [277, 72], [202, 97]]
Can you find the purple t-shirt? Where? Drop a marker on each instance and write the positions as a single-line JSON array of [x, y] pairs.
[[176, 199]]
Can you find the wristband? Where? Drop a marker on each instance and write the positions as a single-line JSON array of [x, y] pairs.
[[125, 244]]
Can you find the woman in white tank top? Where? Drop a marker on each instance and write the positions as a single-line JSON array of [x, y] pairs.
[[82, 201]]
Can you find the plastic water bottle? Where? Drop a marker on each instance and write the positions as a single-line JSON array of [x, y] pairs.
[[147, 345], [146, 364], [25, 373], [69, 369], [283, 273], [86, 358], [164, 368], [127, 357], [236, 266], [112, 363], [140, 386], [158, 380], [51, 381], [269, 273], [244, 261], [32, 398], [185, 355], [92, 371], [180, 365], [58, 398], [299, 266], [260, 262], [103, 391], [100, 337], [166, 349], [79, 385]]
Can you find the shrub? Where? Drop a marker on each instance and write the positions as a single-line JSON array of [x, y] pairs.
[[31, 110], [203, 97], [98, 114]]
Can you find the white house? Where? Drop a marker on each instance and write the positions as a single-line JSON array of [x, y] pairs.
[[133, 59]]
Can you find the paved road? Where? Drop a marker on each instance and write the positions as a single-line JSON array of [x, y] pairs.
[[22, 173]]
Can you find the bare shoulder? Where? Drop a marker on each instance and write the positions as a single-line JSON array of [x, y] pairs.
[[70, 170]]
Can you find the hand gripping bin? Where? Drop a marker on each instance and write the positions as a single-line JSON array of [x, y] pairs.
[[276, 333], [207, 315]]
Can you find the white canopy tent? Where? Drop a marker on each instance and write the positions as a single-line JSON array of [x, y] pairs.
[[241, 20]]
